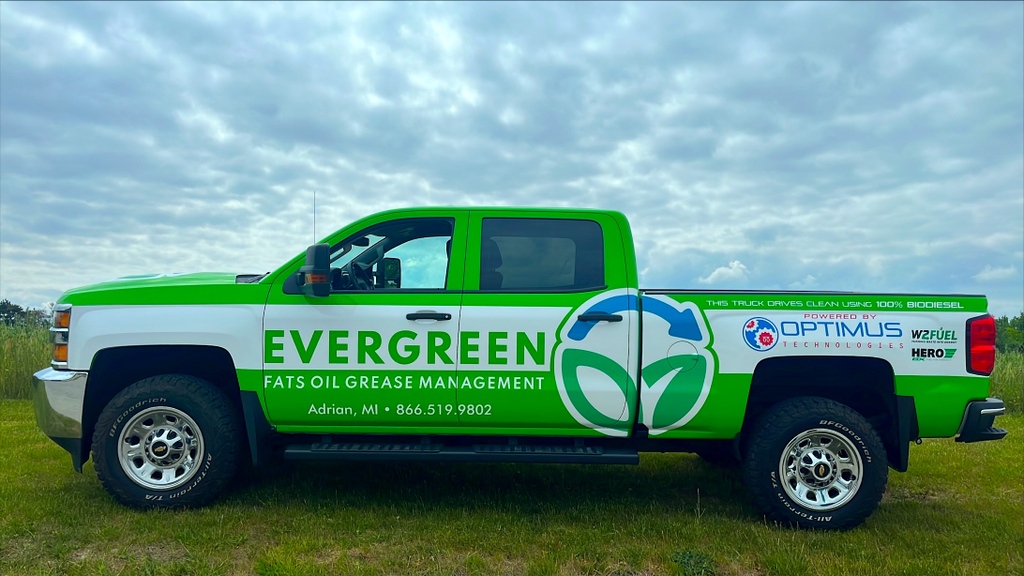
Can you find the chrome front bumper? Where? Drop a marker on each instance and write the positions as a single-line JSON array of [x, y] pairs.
[[59, 397]]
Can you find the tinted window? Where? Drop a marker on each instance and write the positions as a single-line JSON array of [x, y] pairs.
[[524, 254]]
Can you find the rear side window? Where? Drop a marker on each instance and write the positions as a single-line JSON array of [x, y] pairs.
[[536, 254]]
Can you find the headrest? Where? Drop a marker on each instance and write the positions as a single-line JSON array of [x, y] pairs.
[[490, 255]]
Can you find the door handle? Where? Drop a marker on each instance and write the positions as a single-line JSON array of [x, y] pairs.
[[428, 315], [599, 317]]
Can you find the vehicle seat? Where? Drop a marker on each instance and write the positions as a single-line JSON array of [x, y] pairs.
[[490, 261]]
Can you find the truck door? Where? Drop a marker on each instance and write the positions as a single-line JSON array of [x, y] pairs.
[[548, 326], [381, 349]]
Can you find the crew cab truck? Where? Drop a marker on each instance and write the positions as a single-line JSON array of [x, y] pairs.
[[512, 335]]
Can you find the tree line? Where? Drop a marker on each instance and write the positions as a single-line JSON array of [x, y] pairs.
[[11, 314], [1010, 333]]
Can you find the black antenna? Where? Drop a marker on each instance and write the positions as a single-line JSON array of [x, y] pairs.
[[314, 216]]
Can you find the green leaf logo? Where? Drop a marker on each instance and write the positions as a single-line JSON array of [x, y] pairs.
[[671, 391], [623, 387], [601, 393]]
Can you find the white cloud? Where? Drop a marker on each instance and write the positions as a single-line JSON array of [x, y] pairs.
[[808, 282], [734, 272], [990, 274], [61, 42], [881, 154]]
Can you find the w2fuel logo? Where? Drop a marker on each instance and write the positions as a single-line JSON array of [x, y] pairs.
[[596, 384]]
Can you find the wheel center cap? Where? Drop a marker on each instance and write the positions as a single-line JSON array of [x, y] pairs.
[[822, 470], [159, 449]]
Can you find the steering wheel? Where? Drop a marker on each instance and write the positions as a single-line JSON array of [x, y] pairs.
[[362, 275]]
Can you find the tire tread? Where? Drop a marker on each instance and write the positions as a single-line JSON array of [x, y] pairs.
[[225, 428], [760, 455]]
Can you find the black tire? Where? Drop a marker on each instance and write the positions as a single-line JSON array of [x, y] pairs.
[[815, 463], [178, 440]]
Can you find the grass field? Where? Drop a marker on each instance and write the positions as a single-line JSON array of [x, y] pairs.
[[959, 510], [1008, 381], [23, 350]]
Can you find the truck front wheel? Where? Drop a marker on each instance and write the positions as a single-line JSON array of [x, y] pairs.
[[815, 463], [167, 442]]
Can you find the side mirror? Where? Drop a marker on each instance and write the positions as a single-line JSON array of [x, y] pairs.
[[315, 276], [389, 273]]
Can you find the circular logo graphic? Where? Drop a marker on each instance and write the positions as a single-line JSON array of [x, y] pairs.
[[760, 334], [594, 376]]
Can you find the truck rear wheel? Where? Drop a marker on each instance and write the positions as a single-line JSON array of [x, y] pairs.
[[815, 463], [168, 441]]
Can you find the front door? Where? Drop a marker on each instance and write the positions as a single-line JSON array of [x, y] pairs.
[[380, 351]]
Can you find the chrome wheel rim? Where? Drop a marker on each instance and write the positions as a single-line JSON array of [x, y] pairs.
[[820, 470], [160, 448]]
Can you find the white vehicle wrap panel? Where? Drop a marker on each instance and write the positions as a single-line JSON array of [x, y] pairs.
[[235, 328], [910, 342]]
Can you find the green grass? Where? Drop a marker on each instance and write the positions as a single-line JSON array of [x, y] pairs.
[[24, 349], [958, 510], [1008, 381]]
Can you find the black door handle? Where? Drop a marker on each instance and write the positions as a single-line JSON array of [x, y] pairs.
[[599, 317], [428, 316]]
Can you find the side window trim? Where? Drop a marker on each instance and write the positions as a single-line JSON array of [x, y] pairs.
[[587, 254]]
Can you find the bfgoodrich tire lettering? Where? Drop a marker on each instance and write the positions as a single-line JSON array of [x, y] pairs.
[[815, 463], [168, 441]]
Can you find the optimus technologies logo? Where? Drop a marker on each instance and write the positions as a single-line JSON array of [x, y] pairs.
[[760, 334], [594, 369]]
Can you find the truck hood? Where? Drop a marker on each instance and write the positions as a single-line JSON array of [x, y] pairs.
[[170, 289]]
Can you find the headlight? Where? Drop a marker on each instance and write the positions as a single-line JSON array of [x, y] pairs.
[[62, 317], [59, 332]]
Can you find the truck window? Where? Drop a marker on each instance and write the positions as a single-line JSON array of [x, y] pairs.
[[367, 260], [528, 254]]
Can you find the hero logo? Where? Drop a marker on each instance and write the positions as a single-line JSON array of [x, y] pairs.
[[599, 391], [920, 354], [760, 334]]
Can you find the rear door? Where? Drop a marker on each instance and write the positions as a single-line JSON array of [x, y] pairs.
[[548, 323]]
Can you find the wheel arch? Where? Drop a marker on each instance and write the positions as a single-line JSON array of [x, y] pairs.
[[867, 385], [114, 369]]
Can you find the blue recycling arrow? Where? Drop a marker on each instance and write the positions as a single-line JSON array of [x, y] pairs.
[[681, 324]]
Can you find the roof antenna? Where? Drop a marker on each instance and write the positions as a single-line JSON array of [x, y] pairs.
[[314, 216]]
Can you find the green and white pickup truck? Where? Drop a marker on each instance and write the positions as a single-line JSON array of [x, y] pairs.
[[511, 335]]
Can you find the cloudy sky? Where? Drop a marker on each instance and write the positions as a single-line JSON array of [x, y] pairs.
[[852, 146]]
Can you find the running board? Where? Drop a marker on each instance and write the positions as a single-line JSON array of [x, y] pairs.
[[474, 453]]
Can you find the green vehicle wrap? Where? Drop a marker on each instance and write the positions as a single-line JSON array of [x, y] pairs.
[[505, 322]]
